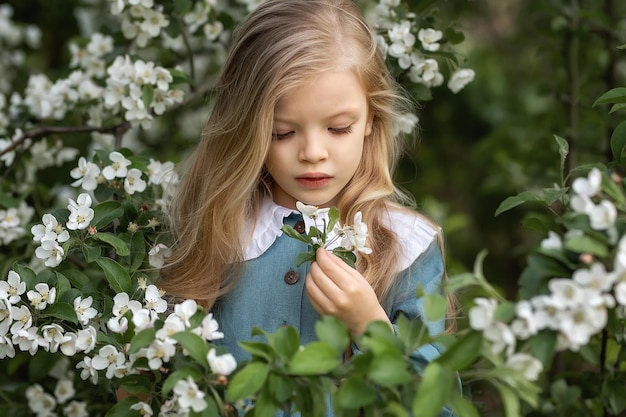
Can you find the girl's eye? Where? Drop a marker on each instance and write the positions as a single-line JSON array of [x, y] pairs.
[[280, 136], [341, 130]]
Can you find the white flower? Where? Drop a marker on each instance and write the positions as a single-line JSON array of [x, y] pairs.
[[545, 312], [501, 337], [524, 325], [87, 369], [209, 328], [553, 241], [76, 409], [405, 123], [157, 255], [596, 277], [153, 300], [81, 212], [589, 186], [144, 409], [354, 237], [50, 229], [68, 346], [481, 315], [7, 350], [581, 204], [223, 364], [530, 367], [566, 293], [430, 38], [41, 296], [27, 340], [22, 318], [86, 175], [603, 215], [159, 172], [53, 336], [5, 316], [84, 310], [173, 324], [12, 288], [64, 390], [620, 293], [122, 303], [118, 168], [186, 310], [118, 324], [426, 71], [460, 79], [160, 351], [143, 319], [212, 31], [43, 405], [51, 252], [108, 358], [86, 339], [311, 212], [133, 181], [581, 322], [189, 396]]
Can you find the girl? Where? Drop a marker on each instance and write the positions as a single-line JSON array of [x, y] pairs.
[[304, 111]]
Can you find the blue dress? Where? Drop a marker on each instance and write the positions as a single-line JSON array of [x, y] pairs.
[[271, 293]]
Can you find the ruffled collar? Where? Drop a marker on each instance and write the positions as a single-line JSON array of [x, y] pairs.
[[268, 227]]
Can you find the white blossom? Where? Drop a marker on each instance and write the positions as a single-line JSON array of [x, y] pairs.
[[223, 364], [430, 38], [41, 296], [64, 390], [86, 339], [108, 358], [7, 350], [553, 241], [50, 229], [76, 409], [460, 78], [144, 408], [153, 300], [501, 337], [603, 215], [209, 328], [84, 310], [51, 252], [530, 366], [122, 303], [81, 212], [86, 175], [189, 396], [481, 316], [589, 186], [157, 255], [12, 288], [133, 181], [160, 351], [118, 168]]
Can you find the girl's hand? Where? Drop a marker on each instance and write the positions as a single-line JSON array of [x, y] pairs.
[[336, 289]]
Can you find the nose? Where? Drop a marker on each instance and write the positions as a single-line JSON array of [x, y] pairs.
[[313, 148]]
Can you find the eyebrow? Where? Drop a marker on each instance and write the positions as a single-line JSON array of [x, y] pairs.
[[351, 112]]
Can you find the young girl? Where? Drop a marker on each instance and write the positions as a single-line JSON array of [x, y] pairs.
[[304, 111]]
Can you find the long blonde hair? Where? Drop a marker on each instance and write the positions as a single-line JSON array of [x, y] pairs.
[[280, 45]]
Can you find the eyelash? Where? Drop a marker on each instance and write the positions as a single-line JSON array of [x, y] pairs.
[[335, 130]]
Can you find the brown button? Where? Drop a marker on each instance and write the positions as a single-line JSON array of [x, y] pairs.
[[291, 277], [299, 227]]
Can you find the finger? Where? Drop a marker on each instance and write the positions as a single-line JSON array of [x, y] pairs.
[[316, 296], [336, 269]]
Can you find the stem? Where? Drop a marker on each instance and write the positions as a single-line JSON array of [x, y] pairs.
[[609, 72], [571, 52]]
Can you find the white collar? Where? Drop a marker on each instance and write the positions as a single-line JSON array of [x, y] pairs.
[[414, 233]]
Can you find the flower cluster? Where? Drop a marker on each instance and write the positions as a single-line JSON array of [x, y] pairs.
[[415, 55], [142, 20], [322, 229]]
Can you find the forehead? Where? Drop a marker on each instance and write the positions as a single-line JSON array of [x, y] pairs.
[[329, 91]]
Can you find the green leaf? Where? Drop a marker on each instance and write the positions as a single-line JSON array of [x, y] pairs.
[[454, 36], [61, 311], [463, 407], [463, 353], [135, 384], [618, 141], [196, 346], [345, 255], [62, 285], [137, 251], [80, 281], [118, 244], [116, 275], [180, 373], [412, 332], [181, 7], [564, 395], [247, 381], [615, 95], [40, 365], [435, 388], [280, 386], [333, 218], [26, 274], [332, 331], [521, 198], [265, 405], [291, 232], [389, 370], [543, 346], [259, 349], [510, 401], [91, 253], [563, 151], [285, 341], [617, 107], [142, 339], [354, 393], [147, 93], [505, 311], [586, 244], [105, 213], [122, 408], [435, 307], [314, 359], [615, 394], [303, 257]]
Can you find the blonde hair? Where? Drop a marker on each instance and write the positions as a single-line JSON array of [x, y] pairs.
[[278, 47]]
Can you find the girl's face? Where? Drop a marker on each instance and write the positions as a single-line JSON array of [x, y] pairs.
[[317, 141]]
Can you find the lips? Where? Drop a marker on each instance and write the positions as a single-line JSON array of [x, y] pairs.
[[314, 180]]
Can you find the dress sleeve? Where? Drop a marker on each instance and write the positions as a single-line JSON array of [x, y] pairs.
[[427, 270]]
